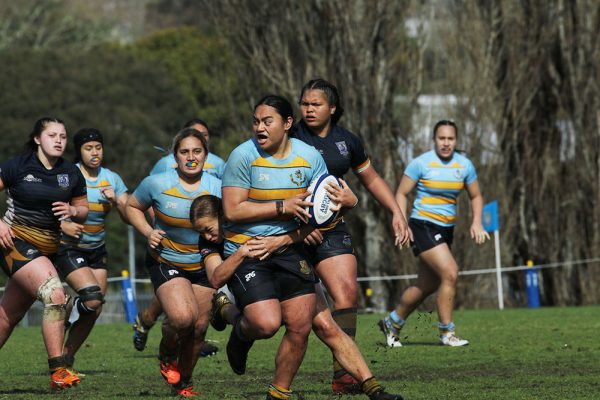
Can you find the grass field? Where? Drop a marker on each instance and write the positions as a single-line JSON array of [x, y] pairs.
[[548, 353]]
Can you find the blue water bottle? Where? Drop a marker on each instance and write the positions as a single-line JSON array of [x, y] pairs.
[[128, 299], [532, 285]]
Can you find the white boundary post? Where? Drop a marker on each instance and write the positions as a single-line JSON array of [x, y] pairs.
[[131, 240], [498, 269]]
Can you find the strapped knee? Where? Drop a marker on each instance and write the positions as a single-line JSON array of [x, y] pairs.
[[88, 293], [52, 311]]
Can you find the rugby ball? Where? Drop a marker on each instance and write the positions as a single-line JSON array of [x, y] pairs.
[[320, 212]]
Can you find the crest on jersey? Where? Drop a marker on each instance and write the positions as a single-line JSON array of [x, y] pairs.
[[304, 267], [342, 148], [298, 178], [63, 180], [457, 173]]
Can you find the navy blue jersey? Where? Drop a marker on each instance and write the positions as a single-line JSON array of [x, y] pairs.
[[208, 249], [31, 190], [341, 149]]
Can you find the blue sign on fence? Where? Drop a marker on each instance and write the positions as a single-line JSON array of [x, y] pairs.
[[490, 216]]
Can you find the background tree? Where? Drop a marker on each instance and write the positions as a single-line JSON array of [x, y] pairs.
[[530, 74], [48, 24], [358, 45], [203, 70], [107, 89]]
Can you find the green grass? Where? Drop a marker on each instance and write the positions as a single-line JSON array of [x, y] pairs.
[[548, 353]]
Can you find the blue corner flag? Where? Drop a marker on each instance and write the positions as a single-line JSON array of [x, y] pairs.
[[490, 216]]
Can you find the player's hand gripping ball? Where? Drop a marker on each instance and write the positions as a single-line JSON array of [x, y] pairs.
[[320, 212]]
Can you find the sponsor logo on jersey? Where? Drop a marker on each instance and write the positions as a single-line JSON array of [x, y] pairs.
[[263, 177], [171, 204], [31, 178], [298, 178], [250, 276], [63, 180], [342, 148]]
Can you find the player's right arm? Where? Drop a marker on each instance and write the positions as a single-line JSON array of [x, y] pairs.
[[406, 186], [218, 271], [135, 214], [237, 208], [72, 229], [137, 204]]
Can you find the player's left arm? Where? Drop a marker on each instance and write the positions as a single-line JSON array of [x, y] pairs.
[[380, 190], [478, 234], [76, 210], [121, 205], [342, 195]]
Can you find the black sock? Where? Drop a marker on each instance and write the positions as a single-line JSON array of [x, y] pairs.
[[55, 363], [237, 330], [346, 319]]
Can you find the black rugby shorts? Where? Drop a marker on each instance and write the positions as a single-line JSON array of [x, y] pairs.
[[69, 259], [283, 276], [427, 235], [161, 273]]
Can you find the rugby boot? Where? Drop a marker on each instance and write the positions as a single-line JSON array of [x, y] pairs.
[[140, 334], [383, 395], [169, 371], [450, 339], [345, 384], [219, 300], [237, 353], [391, 332], [185, 389], [63, 378], [208, 349]]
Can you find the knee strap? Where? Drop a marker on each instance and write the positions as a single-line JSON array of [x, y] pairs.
[[52, 311], [87, 294], [91, 293]]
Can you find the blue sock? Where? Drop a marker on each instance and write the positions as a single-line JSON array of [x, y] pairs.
[[396, 318], [445, 328]]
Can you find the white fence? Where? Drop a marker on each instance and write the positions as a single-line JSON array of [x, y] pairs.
[[114, 311]]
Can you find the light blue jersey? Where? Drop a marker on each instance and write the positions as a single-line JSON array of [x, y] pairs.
[[171, 204], [269, 179], [213, 165], [438, 185], [93, 228]]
